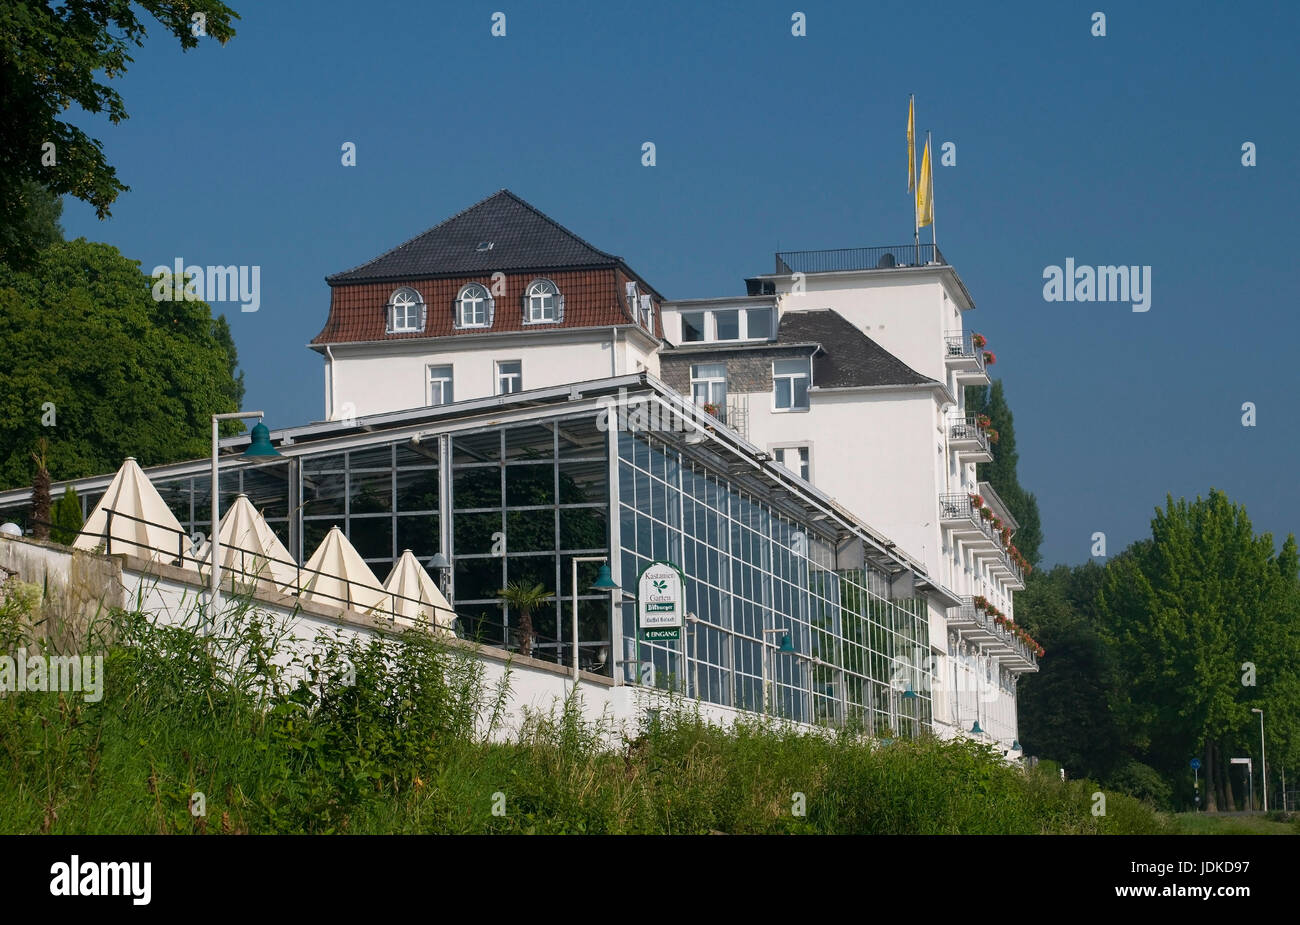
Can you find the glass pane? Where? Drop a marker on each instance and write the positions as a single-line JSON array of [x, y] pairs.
[[531, 442], [801, 393], [417, 490], [583, 482], [479, 579], [782, 387], [267, 487], [709, 371], [692, 327], [790, 367], [530, 531], [583, 529], [473, 532], [372, 536], [372, 492], [477, 447], [728, 324], [759, 322], [530, 484], [378, 457], [476, 487], [418, 534], [322, 494]]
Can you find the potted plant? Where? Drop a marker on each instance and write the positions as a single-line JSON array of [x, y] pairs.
[[986, 513], [992, 435], [525, 598], [990, 357], [710, 408], [979, 341], [977, 500], [983, 421]]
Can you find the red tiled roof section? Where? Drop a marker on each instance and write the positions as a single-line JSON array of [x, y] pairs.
[[592, 298]]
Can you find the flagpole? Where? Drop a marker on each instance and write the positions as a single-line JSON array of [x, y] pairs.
[[916, 190], [934, 240]]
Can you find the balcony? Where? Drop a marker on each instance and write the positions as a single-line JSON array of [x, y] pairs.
[[959, 515], [1021, 659], [965, 359], [897, 256], [973, 623], [968, 440]]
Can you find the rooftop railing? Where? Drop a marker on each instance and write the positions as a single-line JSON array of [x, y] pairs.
[[859, 258]]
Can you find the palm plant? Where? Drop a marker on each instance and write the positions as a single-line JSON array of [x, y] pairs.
[[525, 597]]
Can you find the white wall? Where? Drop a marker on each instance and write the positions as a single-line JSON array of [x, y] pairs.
[[378, 378]]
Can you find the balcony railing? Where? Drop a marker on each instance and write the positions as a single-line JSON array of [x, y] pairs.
[[958, 512], [963, 356], [969, 439], [859, 258]]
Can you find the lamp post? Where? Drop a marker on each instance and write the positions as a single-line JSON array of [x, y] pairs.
[[1263, 763], [604, 582], [259, 447]]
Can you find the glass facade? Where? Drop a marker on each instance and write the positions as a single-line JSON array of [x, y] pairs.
[[755, 576], [786, 619]]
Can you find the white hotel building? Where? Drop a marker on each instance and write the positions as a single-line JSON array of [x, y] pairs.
[[820, 508]]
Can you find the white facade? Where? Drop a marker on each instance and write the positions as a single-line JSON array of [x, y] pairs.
[[892, 454], [375, 378]]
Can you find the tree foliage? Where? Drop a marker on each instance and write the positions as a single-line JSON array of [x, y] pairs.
[[1160, 656], [104, 371], [54, 56], [1001, 472], [67, 517]]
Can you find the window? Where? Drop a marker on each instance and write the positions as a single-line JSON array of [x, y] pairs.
[[709, 386], [795, 458], [405, 312], [474, 307], [727, 324], [543, 303], [440, 391], [692, 327], [790, 384], [648, 313], [510, 376]]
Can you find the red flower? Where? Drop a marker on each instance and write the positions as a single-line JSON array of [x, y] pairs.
[[978, 340], [990, 357]]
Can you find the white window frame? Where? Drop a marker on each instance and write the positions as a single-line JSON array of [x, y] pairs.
[[776, 409], [446, 384], [742, 325], [647, 312], [488, 305], [710, 382], [557, 303], [780, 449], [518, 377], [412, 314]]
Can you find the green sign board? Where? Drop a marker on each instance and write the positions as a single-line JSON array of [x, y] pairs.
[[660, 602]]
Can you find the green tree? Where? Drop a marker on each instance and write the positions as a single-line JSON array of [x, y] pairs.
[[1064, 710], [67, 517], [1205, 624], [37, 223], [104, 371], [41, 514], [525, 598], [52, 56], [1001, 472]]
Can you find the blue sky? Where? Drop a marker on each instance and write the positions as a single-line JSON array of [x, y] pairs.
[[1117, 150]]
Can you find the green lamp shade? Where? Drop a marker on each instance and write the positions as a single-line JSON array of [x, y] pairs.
[[910, 694], [260, 445], [604, 581], [976, 730], [786, 644], [1015, 745]]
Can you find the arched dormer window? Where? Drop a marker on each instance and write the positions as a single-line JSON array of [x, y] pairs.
[[405, 311], [543, 303], [474, 307]]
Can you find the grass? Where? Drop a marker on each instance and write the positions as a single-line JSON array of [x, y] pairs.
[[1215, 824], [402, 735]]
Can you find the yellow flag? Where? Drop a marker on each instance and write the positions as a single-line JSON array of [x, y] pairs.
[[925, 191], [911, 143]]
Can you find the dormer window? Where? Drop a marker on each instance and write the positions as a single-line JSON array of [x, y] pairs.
[[474, 307], [648, 313], [543, 303], [405, 312]]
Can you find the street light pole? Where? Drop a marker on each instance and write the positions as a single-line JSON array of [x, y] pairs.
[[214, 542], [603, 583], [1263, 762]]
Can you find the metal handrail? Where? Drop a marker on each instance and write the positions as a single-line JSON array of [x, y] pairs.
[[859, 258]]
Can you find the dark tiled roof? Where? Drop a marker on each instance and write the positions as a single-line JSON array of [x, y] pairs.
[[522, 238], [849, 358]]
